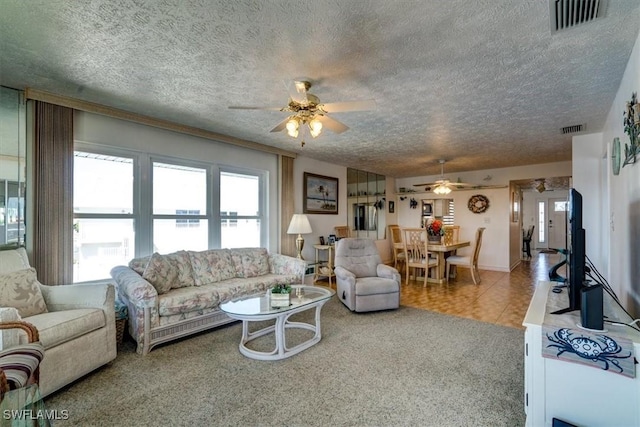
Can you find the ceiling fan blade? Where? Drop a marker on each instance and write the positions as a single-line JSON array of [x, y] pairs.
[[280, 126], [338, 107], [482, 187], [240, 107], [297, 90], [428, 184], [332, 124]]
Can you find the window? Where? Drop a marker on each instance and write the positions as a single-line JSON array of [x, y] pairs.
[[541, 220], [240, 213], [449, 216], [103, 214], [179, 207], [181, 222], [128, 205]]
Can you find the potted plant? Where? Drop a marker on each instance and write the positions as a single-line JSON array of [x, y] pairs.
[[281, 295], [435, 230]]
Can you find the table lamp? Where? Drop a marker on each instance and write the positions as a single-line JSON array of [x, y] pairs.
[[299, 225]]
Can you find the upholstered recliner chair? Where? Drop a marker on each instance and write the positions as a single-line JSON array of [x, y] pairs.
[[363, 282]]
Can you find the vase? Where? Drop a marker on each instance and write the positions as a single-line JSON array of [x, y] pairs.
[[433, 239], [280, 300]]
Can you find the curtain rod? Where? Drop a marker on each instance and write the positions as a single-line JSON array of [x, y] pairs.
[[92, 107]]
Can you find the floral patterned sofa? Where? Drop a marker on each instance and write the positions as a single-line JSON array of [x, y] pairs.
[[174, 295]]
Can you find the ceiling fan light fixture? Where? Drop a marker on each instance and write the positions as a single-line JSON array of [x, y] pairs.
[[441, 190], [292, 125], [315, 127]]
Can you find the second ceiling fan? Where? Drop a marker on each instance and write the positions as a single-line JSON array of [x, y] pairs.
[[444, 186], [305, 109]]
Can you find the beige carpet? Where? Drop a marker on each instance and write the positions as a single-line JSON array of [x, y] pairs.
[[402, 367]]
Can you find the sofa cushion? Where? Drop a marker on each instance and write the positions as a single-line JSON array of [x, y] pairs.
[[161, 273], [250, 262], [181, 261], [20, 289], [211, 266], [189, 299], [139, 264], [58, 327], [376, 285]]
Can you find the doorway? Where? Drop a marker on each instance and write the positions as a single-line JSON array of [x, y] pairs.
[[557, 226]]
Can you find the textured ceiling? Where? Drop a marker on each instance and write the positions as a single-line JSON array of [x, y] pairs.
[[483, 84]]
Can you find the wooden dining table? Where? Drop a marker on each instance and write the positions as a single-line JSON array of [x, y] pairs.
[[443, 251]]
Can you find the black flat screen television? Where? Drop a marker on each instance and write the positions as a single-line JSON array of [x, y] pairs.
[[577, 252]]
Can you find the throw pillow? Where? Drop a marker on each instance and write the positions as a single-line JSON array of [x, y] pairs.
[[20, 289], [139, 264], [182, 263], [250, 262], [160, 273], [211, 266]]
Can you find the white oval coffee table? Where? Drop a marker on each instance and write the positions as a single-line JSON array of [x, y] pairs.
[[258, 307]]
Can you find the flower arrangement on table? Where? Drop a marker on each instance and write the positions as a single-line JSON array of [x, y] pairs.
[[434, 227]]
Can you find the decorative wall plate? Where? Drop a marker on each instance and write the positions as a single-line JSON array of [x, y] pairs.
[[478, 203], [615, 156]]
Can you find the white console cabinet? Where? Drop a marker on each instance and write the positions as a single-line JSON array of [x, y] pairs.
[[577, 394]]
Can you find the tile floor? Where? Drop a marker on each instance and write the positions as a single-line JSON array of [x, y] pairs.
[[500, 298]]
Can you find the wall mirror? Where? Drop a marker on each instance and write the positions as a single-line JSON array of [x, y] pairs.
[[367, 202], [12, 166]]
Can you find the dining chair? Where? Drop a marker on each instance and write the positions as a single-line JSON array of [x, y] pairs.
[[526, 241], [451, 234], [342, 231], [395, 234], [416, 253], [470, 262]]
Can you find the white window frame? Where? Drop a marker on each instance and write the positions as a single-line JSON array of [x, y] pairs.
[[143, 216], [262, 215]]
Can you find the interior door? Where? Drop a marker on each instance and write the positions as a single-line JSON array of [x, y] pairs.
[[557, 223]]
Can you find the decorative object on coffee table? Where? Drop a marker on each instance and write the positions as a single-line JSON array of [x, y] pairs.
[[280, 296]]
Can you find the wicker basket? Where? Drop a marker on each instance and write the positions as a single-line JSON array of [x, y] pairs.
[[120, 324]]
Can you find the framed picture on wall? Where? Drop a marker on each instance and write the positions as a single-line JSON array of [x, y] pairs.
[[392, 207], [320, 194]]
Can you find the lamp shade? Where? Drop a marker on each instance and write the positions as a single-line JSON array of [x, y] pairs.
[[299, 225]]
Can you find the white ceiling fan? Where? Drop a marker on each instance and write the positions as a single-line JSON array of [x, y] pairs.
[[445, 186], [305, 108]]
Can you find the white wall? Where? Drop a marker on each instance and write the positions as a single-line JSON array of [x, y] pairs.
[[616, 216], [495, 244]]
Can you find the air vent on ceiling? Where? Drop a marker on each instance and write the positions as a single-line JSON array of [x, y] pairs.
[[570, 13], [573, 129]]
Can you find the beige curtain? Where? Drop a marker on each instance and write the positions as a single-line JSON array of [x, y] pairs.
[[288, 241], [53, 194]]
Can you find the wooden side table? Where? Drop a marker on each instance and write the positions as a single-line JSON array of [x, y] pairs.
[[324, 268]]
